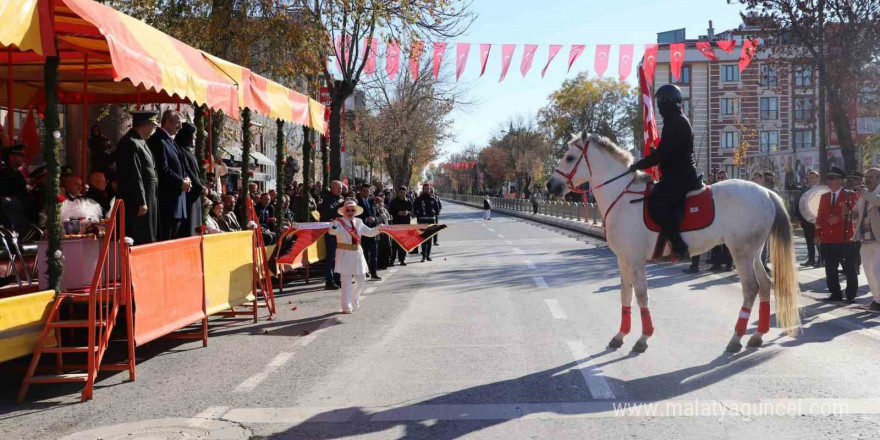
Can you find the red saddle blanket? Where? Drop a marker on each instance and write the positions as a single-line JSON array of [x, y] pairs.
[[699, 212]]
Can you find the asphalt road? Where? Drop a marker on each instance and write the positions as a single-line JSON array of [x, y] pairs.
[[502, 336]]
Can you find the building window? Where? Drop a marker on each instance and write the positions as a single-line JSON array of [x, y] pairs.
[[685, 77], [730, 73], [803, 109], [769, 141], [686, 107], [803, 76], [868, 125], [803, 139], [729, 139], [728, 106], [769, 108], [769, 77]]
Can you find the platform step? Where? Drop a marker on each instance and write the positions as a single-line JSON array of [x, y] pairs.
[[59, 378], [68, 349], [75, 323]]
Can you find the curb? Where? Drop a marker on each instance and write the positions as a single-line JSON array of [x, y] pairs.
[[571, 225]]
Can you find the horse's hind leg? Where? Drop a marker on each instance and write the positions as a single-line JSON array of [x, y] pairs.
[[764, 285], [745, 267], [640, 286], [626, 295]]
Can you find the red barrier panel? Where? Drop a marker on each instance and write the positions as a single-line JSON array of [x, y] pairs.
[[168, 287]]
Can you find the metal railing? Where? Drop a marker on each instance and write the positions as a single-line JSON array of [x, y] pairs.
[[575, 211]]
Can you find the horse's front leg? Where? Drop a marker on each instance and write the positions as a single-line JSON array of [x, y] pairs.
[[626, 295], [640, 286]]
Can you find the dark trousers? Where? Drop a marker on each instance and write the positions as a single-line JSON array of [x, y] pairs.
[[384, 254], [666, 206], [169, 228], [809, 231], [329, 270], [721, 255], [436, 220], [840, 254], [397, 252], [371, 253], [427, 244]]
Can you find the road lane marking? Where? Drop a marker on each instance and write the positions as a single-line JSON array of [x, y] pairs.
[[279, 360], [509, 242], [211, 413], [598, 385], [555, 309], [540, 282], [518, 251], [500, 236], [491, 230], [529, 264]]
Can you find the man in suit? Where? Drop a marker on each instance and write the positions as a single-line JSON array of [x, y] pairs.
[[138, 181], [834, 227], [369, 244], [330, 203], [401, 214], [173, 181], [808, 228], [867, 220]]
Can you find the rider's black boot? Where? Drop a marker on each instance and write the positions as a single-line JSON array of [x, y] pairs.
[[679, 247]]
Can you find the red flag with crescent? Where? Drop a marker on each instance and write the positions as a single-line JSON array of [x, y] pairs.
[[574, 53], [750, 45], [410, 236], [414, 55], [528, 57], [304, 235], [461, 54], [624, 61], [705, 48], [726, 45], [554, 49], [392, 60], [372, 46], [484, 57], [650, 62], [652, 138], [603, 51], [506, 56], [676, 59], [437, 58]]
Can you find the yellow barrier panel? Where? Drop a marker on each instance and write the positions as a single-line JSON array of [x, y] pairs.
[[229, 270], [22, 318]]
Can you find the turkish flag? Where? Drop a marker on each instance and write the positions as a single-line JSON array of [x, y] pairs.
[[726, 45], [506, 56], [574, 53], [650, 62], [392, 60], [461, 54], [652, 138], [603, 51], [29, 135], [528, 57], [554, 49], [750, 45], [410, 236], [676, 58], [705, 48], [414, 55], [303, 235], [370, 48], [437, 58], [484, 57], [624, 61]]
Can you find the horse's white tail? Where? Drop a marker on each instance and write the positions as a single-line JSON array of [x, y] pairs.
[[785, 285]]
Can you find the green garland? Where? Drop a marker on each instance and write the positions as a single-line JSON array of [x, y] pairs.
[[279, 176], [199, 122], [325, 164], [302, 212], [51, 149], [245, 162]]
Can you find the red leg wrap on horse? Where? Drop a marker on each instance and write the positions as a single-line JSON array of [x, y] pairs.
[[743, 320], [625, 321], [647, 323], [764, 317]]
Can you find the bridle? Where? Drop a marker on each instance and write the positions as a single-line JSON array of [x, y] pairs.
[[585, 192]]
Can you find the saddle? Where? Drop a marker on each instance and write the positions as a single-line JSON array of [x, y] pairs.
[[699, 213]]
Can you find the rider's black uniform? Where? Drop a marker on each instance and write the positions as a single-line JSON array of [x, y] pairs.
[[675, 155]]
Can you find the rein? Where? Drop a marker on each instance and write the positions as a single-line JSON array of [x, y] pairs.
[[584, 193]]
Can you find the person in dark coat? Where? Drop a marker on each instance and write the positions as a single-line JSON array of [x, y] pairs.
[[401, 214], [675, 156], [370, 245], [427, 208], [437, 217], [13, 189], [330, 203], [138, 181], [173, 181], [185, 141], [808, 228], [98, 191]]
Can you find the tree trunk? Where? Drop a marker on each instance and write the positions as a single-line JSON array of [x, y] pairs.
[[199, 113], [51, 148], [821, 81], [336, 138], [325, 164], [840, 119], [279, 177], [302, 211]]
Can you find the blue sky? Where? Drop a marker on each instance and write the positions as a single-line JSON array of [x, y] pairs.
[[564, 22]]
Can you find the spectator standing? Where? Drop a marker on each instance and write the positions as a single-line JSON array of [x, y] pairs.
[[401, 214], [13, 189], [835, 230], [99, 151], [867, 220], [173, 181], [808, 228], [329, 210], [383, 217], [426, 209], [349, 261], [487, 209], [437, 217], [138, 179], [369, 244], [185, 141]]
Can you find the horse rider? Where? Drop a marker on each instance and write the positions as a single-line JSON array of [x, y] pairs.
[[675, 155]]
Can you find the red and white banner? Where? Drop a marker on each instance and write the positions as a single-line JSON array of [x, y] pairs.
[[370, 64], [392, 60], [748, 52], [624, 61], [410, 236], [726, 45], [461, 55], [574, 53], [506, 56], [551, 53], [705, 48], [676, 59], [484, 57], [650, 62], [603, 52], [437, 58], [305, 235], [415, 54], [528, 57], [652, 138]]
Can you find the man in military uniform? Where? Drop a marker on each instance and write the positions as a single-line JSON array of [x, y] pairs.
[[834, 227], [675, 155], [138, 180]]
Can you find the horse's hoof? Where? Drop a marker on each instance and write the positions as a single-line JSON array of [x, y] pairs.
[[734, 347], [640, 347], [756, 340], [615, 342]]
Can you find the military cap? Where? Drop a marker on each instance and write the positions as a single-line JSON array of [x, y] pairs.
[[856, 174], [834, 171], [141, 117], [13, 149], [39, 171]]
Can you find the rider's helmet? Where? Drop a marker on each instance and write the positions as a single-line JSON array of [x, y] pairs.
[[668, 98]]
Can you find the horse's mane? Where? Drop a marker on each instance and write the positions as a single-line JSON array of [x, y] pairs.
[[606, 145]]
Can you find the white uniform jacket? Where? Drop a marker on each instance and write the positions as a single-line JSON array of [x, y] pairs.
[[351, 262], [872, 198]]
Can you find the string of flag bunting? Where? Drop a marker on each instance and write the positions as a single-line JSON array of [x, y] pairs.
[[625, 56], [460, 165]]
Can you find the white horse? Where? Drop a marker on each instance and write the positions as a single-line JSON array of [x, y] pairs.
[[746, 214]]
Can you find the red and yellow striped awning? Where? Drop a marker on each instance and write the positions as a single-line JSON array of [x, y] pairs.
[[109, 57]]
